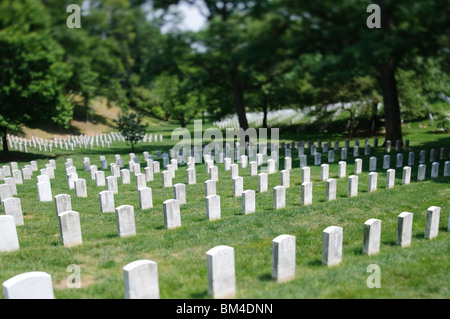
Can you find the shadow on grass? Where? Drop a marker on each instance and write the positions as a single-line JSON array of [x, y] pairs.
[[200, 295], [265, 277], [315, 263], [22, 157], [419, 236], [390, 243]]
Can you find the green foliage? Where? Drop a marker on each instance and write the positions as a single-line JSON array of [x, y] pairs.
[[32, 71], [250, 56], [131, 127]]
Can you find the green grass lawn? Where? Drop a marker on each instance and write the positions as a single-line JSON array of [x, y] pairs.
[[419, 271]]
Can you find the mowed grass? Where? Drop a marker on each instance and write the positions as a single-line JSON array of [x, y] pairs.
[[419, 271]]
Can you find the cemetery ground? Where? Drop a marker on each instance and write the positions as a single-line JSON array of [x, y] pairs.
[[418, 271]]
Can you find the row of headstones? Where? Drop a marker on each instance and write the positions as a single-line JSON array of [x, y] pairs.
[[212, 200], [140, 282], [44, 189], [153, 166], [373, 160], [22, 144], [12, 205], [327, 146], [171, 208], [8, 190], [141, 277]]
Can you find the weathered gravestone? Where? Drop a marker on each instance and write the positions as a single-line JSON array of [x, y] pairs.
[[373, 181], [238, 186], [13, 207], [141, 280], [332, 239], [30, 285], [12, 184], [140, 181], [435, 170], [221, 272], [106, 201], [421, 172], [372, 237], [306, 191], [248, 202], [125, 221], [5, 192], [306, 174], [279, 197], [210, 187], [358, 166], [145, 198], [390, 178], [331, 189], [342, 169], [44, 192], [111, 184], [404, 229], [70, 228], [283, 258], [324, 172], [432, 223], [8, 234], [63, 203], [352, 186], [285, 178], [172, 217], [263, 182], [100, 178], [80, 188], [179, 193], [406, 177], [213, 211]]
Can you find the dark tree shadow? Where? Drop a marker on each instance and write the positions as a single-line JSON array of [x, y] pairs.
[[265, 277]]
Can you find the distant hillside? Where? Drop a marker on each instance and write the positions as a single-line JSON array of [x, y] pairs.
[[101, 122]]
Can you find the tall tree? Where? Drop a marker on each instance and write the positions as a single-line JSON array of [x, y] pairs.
[[408, 28], [235, 50], [32, 72]]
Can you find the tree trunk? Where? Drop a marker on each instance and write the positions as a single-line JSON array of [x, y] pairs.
[[4, 131], [265, 110], [387, 71], [390, 99], [374, 119], [239, 102], [351, 122], [86, 106], [182, 120]]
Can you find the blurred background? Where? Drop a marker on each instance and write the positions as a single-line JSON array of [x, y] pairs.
[[305, 64]]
